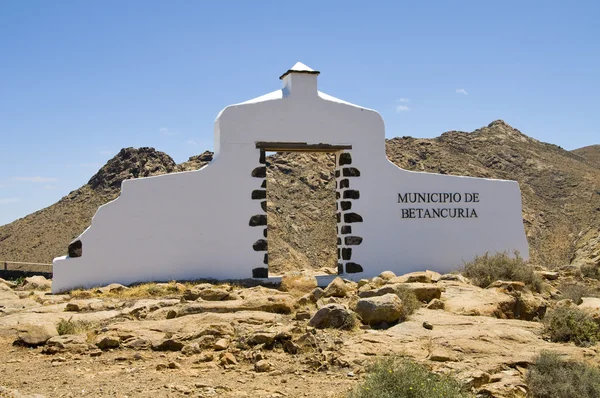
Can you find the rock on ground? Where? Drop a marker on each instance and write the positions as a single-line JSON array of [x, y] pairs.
[[334, 316], [375, 310]]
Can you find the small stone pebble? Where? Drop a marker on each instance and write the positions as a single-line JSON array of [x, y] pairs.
[[427, 325]]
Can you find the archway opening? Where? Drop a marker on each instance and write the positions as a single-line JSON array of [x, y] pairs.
[[301, 212]]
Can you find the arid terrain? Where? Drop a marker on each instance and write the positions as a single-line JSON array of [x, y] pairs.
[[206, 340], [295, 339]]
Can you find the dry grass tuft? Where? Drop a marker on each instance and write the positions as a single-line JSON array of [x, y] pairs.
[[488, 268]]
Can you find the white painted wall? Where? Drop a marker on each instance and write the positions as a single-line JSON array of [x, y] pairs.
[[195, 224]]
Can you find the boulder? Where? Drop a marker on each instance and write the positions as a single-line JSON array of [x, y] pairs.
[[337, 288], [466, 299], [425, 291], [168, 344], [193, 293], [375, 310], [6, 293], [105, 342], [420, 276], [263, 366], [213, 294], [112, 288], [227, 358], [387, 275], [6, 283], [455, 278], [436, 304], [37, 282], [221, 345], [548, 275], [334, 316], [73, 343], [507, 286], [280, 304], [36, 334]]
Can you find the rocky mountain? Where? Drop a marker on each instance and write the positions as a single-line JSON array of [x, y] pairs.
[[560, 190]]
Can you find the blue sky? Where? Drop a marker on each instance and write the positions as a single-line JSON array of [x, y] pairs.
[[80, 80]]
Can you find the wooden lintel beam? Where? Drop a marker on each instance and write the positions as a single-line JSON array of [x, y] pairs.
[[300, 147]]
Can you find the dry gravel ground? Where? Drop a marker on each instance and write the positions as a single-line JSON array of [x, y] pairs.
[[224, 340]]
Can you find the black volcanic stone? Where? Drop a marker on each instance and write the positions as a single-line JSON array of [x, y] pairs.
[[345, 183], [259, 219], [260, 245], [346, 253], [260, 172], [260, 272], [346, 229], [352, 217], [353, 268], [351, 194], [345, 158], [346, 205], [353, 240], [259, 194], [75, 249], [350, 172]]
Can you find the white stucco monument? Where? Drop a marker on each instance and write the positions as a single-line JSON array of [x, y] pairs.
[[212, 223]]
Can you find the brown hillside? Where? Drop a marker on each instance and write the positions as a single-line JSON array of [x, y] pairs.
[[561, 196], [590, 153]]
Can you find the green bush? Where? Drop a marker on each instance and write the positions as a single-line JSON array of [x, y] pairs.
[[489, 268], [552, 377], [570, 324], [402, 378]]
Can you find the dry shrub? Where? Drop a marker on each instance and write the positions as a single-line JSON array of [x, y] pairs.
[[558, 247], [142, 290], [488, 268], [69, 326], [552, 377], [576, 291], [403, 378], [410, 303], [298, 283], [590, 271], [570, 324]]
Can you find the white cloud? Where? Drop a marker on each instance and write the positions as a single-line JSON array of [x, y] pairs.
[[402, 108], [36, 179], [461, 91], [404, 100], [167, 131], [4, 201], [191, 142]]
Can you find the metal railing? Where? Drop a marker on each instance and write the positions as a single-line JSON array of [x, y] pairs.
[[25, 266]]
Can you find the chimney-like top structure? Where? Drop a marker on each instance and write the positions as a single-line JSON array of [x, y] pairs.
[[300, 80]]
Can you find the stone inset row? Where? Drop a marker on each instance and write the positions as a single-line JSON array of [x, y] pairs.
[[345, 253], [260, 220]]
